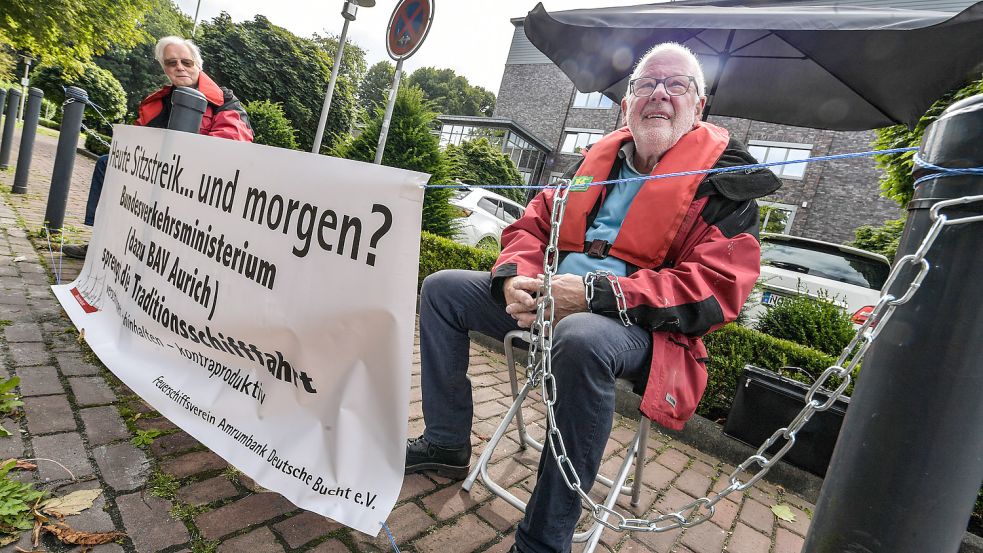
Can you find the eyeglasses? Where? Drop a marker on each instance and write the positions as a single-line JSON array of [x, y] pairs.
[[675, 85], [185, 62]]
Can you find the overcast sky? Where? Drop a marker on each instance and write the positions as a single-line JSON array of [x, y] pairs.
[[472, 37]]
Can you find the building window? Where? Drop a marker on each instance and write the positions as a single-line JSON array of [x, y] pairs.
[[776, 218], [594, 100], [574, 141], [769, 152]]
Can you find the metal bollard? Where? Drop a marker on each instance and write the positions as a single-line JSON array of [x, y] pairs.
[[3, 98], [61, 175], [187, 107], [13, 104], [909, 460], [31, 115]]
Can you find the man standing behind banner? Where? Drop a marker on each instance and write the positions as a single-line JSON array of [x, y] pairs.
[[224, 116], [679, 256]]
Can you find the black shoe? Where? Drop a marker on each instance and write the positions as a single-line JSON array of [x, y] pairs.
[[449, 462], [75, 252]]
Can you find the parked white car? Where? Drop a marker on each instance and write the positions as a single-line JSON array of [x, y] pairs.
[[483, 216], [792, 265]]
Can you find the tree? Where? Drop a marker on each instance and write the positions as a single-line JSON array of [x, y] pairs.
[[102, 87], [479, 162], [135, 68], [68, 33], [409, 145], [261, 61], [451, 93], [883, 239], [374, 90], [269, 125], [896, 182]]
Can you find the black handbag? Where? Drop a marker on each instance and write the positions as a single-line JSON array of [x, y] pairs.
[[766, 401]]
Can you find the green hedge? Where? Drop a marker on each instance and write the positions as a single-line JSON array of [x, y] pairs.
[[733, 346], [49, 124], [94, 145], [438, 253]]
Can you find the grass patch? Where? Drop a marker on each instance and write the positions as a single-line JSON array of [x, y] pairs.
[[144, 438], [201, 545], [5, 323], [186, 513], [162, 485], [233, 474]]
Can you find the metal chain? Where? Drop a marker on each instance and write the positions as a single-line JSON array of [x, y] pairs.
[[619, 294], [700, 510]]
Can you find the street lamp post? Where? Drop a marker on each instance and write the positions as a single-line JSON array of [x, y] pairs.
[[25, 82], [351, 7]]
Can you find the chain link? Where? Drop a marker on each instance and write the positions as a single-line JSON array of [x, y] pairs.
[[619, 294], [700, 510]]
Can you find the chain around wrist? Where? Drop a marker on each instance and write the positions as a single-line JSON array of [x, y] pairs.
[[619, 295]]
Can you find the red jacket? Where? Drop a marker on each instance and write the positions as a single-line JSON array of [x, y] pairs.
[[680, 288], [224, 116]]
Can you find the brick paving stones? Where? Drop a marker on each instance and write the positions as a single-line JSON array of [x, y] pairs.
[[72, 415]]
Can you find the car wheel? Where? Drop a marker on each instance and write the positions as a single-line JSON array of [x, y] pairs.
[[488, 243]]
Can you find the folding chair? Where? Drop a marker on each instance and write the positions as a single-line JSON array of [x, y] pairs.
[[617, 486]]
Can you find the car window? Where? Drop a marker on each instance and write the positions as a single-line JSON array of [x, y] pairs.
[[513, 212], [825, 261], [488, 205], [460, 193]]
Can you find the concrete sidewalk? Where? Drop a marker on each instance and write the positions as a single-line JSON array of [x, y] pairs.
[[176, 495]]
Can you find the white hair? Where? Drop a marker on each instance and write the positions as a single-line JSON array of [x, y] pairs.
[[679, 49], [168, 40]]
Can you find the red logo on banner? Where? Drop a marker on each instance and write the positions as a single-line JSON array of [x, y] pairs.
[[86, 306], [408, 26]]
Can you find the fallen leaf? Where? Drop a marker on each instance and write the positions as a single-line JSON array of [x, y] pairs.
[[81, 338], [7, 539], [22, 550], [67, 534], [783, 512], [20, 464], [19, 258], [71, 504]]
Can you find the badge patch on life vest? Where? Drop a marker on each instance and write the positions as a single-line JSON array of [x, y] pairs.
[[581, 183], [670, 400]]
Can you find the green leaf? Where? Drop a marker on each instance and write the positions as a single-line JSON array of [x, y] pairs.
[[783, 512]]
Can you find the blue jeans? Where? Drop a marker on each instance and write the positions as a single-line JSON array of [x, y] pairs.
[[95, 189], [589, 353]]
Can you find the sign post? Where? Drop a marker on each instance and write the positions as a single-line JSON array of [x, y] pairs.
[[408, 26]]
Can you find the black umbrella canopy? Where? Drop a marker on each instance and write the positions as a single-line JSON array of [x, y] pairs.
[[840, 68]]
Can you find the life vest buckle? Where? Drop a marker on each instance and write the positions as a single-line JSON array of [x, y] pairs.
[[597, 249]]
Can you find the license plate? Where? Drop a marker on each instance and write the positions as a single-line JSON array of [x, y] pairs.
[[770, 298]]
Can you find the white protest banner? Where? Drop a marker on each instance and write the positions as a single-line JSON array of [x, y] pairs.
[[263, 300]]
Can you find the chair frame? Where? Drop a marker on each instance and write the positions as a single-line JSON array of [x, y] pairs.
[[635, 452]]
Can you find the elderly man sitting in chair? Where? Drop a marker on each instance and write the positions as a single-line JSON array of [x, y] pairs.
[[664, 262]]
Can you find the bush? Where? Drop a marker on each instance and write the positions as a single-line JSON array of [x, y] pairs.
[[102, 87], [94, 145], [734, 346], [478, 162], [49, 124], [270, 125], [437, 253], [816, 323]]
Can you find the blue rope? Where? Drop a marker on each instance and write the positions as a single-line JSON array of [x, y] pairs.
[[392, 540], [942, 172], [747, 168]]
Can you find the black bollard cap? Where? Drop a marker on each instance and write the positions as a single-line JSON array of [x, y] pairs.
[[953, 139], [189, 98], [14, 92], [76, 93], [35, 92]]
